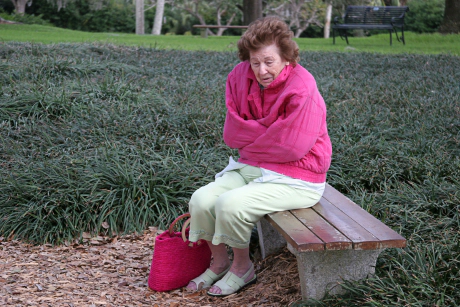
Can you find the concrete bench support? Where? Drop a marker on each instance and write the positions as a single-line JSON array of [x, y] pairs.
[[270, 240], [324, 271]]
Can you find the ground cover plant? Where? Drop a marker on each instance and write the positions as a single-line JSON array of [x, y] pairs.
[[109, 139], [379, 43]]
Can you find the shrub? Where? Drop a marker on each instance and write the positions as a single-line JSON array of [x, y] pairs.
[[113, 16], [26, 18], [424, 16], [6, 6]]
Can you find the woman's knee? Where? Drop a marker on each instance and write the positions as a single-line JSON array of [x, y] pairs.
[[227, 208], [201, 200]]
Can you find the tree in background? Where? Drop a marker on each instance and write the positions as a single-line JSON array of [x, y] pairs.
[[451, 21], [221, 12], [225, 8], [160, 7], [252, 10], [197, 8], [19, 6], [140, 19], [299, 14], [140, 16], [327, 22]]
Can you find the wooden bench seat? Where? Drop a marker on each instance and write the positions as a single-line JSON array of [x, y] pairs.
[[388, 18], [334, 240], [204, 28]]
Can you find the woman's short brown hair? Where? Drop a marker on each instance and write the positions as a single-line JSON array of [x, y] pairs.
[[264, 32]]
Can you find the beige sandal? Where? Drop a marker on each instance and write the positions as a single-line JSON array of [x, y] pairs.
[[206, 279], [231, 283]]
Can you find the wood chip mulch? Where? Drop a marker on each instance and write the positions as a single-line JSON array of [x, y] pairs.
[[104, 271]]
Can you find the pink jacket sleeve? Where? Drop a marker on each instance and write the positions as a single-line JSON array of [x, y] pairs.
[[238, 131], [291, 136]]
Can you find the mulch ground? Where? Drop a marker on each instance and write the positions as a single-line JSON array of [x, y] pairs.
[[114, 272]]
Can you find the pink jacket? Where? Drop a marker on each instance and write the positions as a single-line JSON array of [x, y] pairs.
[[281, 128]]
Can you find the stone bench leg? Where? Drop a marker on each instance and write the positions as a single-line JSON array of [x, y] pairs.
[[323, 271], [270, 240], [204, 33]]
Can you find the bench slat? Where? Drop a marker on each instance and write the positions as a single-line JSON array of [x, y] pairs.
[[294, 231], [361, 26], [374, 15], [219, 27], [333, 239], [361, 238], [371, 17], [387, 236]]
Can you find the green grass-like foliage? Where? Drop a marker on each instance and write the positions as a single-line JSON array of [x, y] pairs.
[[115, 135], [123, 135]]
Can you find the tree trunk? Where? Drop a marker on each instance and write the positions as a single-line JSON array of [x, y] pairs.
[[298, 32], [252, 10], [220, 31], [327, 25], [387, 2], [451, 21], [156, 30], [402, 2], [140, 29], [200, 19], [19, 6]]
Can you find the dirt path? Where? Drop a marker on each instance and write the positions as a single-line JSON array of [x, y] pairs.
[[114, 272]]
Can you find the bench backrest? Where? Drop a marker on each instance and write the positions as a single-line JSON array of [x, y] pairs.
[[375, 15]]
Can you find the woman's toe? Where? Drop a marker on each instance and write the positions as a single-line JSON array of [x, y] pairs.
[[191, 286], [215, 290]]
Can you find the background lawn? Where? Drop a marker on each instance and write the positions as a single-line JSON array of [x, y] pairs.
[[112, 139], [380, 43]]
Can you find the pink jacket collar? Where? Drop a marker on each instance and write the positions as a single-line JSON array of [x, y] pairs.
[[282, 77]]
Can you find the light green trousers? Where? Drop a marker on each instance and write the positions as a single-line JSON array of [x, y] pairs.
[[226, 210]]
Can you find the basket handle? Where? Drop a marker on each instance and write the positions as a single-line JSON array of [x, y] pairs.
[[184, 228], [180, 217]]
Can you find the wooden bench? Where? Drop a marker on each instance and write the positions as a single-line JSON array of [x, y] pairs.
[[334, 240], [204, 28], [371, 18]]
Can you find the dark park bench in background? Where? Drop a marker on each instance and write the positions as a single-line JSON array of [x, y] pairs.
[[333, 241], [371, 18], [204, 28]]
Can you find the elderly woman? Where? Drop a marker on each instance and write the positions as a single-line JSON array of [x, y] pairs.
[[276, 118]]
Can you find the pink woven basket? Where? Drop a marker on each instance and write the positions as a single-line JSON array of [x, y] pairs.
[[176, 260]]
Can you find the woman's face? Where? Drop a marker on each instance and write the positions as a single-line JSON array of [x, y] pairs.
[[266, 63]]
